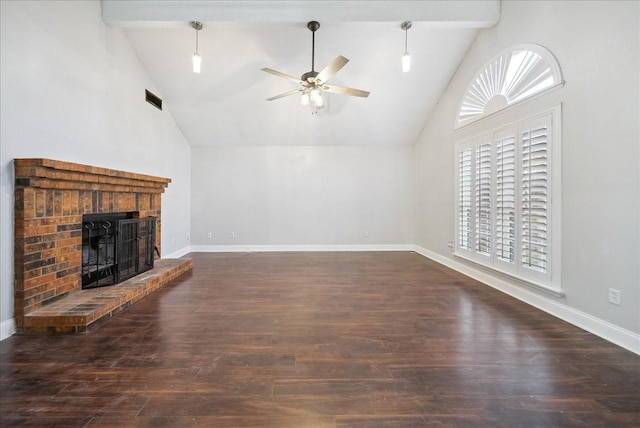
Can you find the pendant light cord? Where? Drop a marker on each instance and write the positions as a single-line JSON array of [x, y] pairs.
[[405, 26], [406, 36], [197, 25]]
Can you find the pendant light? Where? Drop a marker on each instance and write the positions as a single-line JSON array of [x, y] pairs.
[[197, 60], [406, 58]]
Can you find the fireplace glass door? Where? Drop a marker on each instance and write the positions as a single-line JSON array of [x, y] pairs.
[[136, 240], [115, 248]]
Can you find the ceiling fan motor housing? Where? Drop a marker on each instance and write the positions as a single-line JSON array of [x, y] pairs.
[[309, 76]]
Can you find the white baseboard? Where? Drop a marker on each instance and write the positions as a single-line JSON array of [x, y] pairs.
[[285, 248], [7, 328], [614, 334], [177, 254]]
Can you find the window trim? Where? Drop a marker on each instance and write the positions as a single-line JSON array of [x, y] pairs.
[[550, 282]]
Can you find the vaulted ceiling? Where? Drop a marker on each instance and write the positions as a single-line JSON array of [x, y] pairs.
[[226, 103]]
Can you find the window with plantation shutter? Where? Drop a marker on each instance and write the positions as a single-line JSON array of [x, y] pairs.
[[464, 200], [483, 226], [534, 194], [504, 199]]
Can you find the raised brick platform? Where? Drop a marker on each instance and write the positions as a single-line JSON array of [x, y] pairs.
[[51, 198], [81, 310]]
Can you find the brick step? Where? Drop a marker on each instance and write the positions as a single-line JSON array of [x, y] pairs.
[[82, 309]]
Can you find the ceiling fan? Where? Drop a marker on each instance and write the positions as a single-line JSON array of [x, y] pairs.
[[313, 83]]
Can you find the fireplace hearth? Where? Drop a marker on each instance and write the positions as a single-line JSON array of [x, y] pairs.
[[61, 205]]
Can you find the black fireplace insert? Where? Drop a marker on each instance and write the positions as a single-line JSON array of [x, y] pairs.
[[116, 247]]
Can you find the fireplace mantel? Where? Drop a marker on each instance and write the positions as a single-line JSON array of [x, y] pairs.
[[58, 175], [51, 196]]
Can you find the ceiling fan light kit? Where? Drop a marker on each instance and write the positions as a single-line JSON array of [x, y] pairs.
[[406, 58], [196, 59], [305, 99], [313, 83]]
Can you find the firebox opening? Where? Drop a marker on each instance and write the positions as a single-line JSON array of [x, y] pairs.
[[116, 247]]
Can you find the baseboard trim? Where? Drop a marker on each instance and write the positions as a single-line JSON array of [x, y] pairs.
[[290, 248], [177, 254], [612, 333], [7, 328]]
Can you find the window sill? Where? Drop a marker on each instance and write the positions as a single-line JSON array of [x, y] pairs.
[[555, 291]]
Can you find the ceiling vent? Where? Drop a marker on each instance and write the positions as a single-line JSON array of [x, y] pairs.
[[153, 99]]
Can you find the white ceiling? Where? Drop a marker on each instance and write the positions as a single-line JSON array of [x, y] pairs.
[[226, 103]]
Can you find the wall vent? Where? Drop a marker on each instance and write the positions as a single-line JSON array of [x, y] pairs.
[[153, 99]]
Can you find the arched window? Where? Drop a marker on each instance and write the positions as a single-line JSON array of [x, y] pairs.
[[508, 169], [513, 76]]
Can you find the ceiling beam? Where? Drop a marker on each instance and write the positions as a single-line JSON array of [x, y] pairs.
[[459, 13]]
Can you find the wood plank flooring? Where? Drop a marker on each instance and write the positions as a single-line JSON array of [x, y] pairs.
[[362, 339]]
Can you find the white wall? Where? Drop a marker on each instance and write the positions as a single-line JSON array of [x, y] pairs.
[[313, 195], [597, 46], [73, 89]]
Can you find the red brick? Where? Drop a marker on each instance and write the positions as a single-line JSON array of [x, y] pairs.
[[32, 222], [39, 281], [38, 247], [29, 204], [39, 230], [49, 268], [32, 273], [69, 242], [49, 207], [57, 203], [71, 202], [85, 202], [39, 264], [66, 288], [40, 203]]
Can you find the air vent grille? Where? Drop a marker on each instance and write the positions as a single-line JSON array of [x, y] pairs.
[[153, 99]]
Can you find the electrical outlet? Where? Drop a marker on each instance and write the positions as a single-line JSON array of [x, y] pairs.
[[614, 296], [450, 244], [209, 235], [232, 235], [188, 237], [173, 239], [366, 234]]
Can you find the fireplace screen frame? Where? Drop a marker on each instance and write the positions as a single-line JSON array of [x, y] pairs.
[[116, 247]]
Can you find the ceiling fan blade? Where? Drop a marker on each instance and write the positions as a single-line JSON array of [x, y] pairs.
[[286, 94], [345, 91], [284, 76], [330, 70]]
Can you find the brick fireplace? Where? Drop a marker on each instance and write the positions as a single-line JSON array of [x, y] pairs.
[[51, 198]]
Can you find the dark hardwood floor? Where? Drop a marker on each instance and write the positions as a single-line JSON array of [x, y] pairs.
[[371, 339]]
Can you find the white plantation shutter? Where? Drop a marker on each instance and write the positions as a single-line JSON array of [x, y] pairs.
[[535, 196], [483, 223], [465, 226], [506, 198]]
